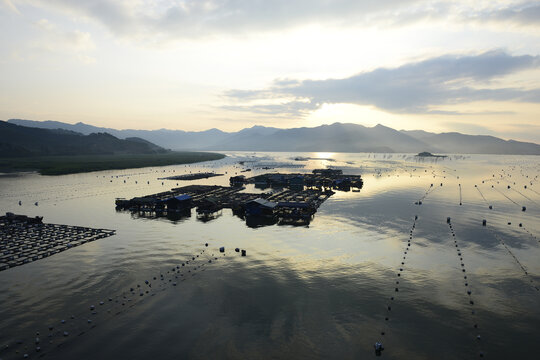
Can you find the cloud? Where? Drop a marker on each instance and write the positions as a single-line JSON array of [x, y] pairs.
[[527, 13], [193, 18], [196, 18], [412, 88], [285, 109], [8, 4], [54, 39]]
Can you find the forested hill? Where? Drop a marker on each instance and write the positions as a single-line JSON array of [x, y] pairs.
[[22, 141]]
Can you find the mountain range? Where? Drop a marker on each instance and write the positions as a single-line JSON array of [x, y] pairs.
[[337, 137], [23, 141]]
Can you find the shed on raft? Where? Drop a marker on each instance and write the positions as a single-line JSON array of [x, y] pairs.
[[209, 205], [260, 207], [179, 202]]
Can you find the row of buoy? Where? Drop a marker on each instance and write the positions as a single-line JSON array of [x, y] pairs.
[[378, 344], [127, 299], [465, 280]]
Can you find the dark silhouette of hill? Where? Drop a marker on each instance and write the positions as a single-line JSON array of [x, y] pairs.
[[337, 137], [170, 139], [21, 141]]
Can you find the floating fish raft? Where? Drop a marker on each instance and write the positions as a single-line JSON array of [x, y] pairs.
[[319, 178], [25, 239], [195, 176], [298, 200]]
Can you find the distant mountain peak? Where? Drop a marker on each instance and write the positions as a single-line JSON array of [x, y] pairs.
[[337, 137]]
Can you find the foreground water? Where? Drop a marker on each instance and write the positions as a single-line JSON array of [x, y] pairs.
[[372, 266]]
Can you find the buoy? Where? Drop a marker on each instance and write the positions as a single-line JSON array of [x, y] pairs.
[[222, 249], [237, 250], [448, 220]]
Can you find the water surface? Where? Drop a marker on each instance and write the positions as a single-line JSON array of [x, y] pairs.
[[318, 291]]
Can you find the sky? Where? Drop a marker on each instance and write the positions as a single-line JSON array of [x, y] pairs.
[[471, 67]]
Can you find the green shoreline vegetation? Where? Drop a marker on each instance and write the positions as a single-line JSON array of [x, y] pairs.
[[72, 164]]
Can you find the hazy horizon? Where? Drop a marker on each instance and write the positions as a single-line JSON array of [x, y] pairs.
[[439, 66]]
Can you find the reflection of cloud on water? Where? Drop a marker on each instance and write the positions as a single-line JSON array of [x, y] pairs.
[[322, 309]]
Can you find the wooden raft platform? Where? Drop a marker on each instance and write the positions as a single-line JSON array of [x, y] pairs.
[[24, 239], [319, 178], [195, 176], [210, 199]]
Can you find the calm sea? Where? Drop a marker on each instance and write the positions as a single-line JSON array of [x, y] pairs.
[[373, 265]]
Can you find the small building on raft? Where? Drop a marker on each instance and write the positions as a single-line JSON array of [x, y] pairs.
[[327, 172], [144, 203], [237, 180], [179, 202], [208, 205], [260, 207]]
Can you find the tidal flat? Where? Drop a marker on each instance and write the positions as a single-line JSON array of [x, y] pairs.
[[405, 261]]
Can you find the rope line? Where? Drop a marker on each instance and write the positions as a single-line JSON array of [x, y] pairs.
[[522, 267], [459, 253]]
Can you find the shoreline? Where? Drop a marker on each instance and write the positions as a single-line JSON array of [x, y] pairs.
[[75, 164]]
